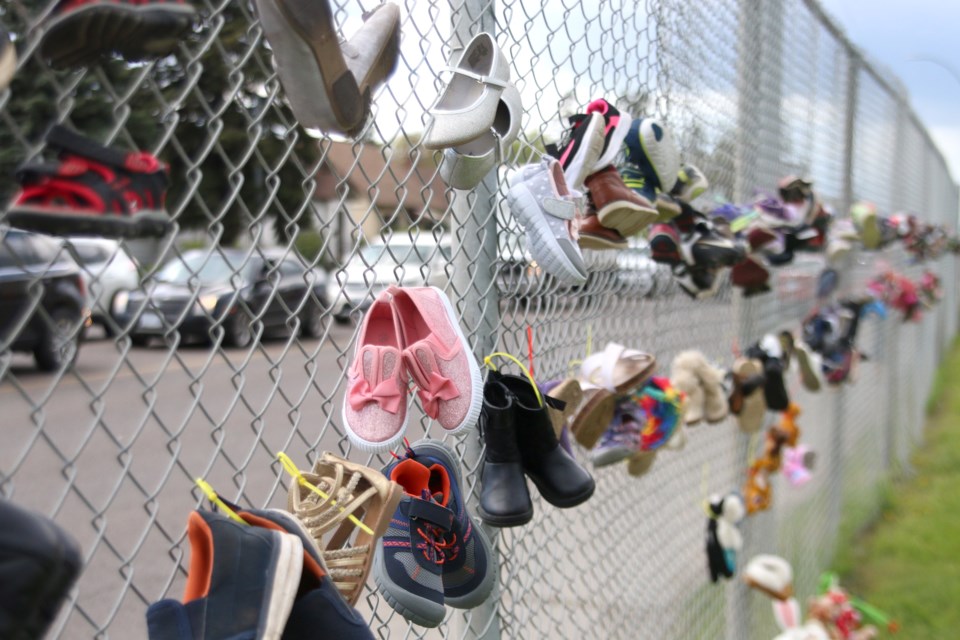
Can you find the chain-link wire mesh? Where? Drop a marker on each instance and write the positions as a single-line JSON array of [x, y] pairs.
[[110, 445]]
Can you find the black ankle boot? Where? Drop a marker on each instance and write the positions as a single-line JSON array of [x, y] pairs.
[[561, 481], [504, 498]]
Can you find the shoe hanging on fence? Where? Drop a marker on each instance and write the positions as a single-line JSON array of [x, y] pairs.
[[652, 160], [319, 604], [39, 562], [270, 570], [465, 166], [329, 83], [550, 214], [467, 107], [346, 507], [78, 32], [432, 530], [91, 190]]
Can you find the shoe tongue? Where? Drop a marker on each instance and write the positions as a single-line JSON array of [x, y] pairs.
[[440, 484], [412, 476]]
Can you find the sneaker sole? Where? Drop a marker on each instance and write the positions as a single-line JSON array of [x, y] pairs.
[[473, 599], [136, 32], [65, 222], [641, 462], [319, 86], [413, 608], [626, 217], [542, 244], [504, 522], [584, 163], [285, 581], [613, 455], [369, 446], [599, 243], [593, 419], [809, 377]]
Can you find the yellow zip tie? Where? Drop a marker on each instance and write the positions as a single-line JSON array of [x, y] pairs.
[[292, 469], [488, 360], [215, 499], [572, 366], [589, 339]]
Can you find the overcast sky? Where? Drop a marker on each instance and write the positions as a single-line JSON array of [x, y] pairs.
[[896, 33]]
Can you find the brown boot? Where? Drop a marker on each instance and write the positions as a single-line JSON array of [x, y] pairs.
[[619, 207], [594, 235]]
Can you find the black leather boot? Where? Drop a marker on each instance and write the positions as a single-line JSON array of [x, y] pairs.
[[561, 481], [504, 497]]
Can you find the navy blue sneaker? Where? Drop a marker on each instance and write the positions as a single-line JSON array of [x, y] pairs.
[[241, 584], [39, 562], [319, 605], [408, 563], [652, 162], [468, 572]]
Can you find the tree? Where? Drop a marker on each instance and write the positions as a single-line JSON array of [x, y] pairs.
[[232, 144]]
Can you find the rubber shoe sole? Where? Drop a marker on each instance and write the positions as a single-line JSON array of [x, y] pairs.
[[136, 32], [319, 86], [71, 222]]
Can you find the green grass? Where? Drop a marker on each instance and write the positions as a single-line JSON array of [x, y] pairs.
[[908, 562]]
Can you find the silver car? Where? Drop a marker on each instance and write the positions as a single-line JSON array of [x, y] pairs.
[[106, 268], [378, 265]]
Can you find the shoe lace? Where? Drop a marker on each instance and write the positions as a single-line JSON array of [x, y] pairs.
[[435, 542]]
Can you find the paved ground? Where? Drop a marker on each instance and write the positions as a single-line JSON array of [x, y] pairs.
[[130, 424]]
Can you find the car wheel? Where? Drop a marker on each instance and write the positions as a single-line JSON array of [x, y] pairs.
[[59, 347], [140, 341], [311, 321], [238, 332]]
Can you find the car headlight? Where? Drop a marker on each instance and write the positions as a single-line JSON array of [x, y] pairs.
[[120, 301], [208, 303]]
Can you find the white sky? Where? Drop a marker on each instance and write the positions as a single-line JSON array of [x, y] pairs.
[[895, 34]]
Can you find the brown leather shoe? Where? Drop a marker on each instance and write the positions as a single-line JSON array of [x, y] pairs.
[[619, 207], [594, 235]]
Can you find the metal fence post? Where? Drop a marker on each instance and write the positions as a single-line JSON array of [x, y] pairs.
[[475, 263], [849, 134]]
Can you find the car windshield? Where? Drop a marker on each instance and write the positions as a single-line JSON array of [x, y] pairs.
[[401, 253], [214, 270]]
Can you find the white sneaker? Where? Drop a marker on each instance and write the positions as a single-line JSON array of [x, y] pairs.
[[549, 213]]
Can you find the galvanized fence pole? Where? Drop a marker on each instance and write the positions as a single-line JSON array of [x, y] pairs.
[[475, 264]]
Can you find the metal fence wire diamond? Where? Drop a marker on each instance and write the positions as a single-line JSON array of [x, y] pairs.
[[110, 446]]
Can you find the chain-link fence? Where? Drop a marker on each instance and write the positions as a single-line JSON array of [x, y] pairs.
[[753, 89]]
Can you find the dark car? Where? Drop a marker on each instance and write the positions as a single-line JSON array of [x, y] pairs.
[[42, 300], [203, 290]]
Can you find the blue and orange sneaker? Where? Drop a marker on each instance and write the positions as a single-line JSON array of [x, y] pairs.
[[242, 583], [319, 605], [433, 553]]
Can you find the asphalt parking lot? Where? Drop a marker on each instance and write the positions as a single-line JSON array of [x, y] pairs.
[[128, 425]]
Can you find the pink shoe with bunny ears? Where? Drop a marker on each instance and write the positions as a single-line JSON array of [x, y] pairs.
[[438, 357], [375, 408]]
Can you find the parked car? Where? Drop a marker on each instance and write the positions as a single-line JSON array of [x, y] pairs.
[[378, 265], [106, 269], [42, 300], [204, 289]]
